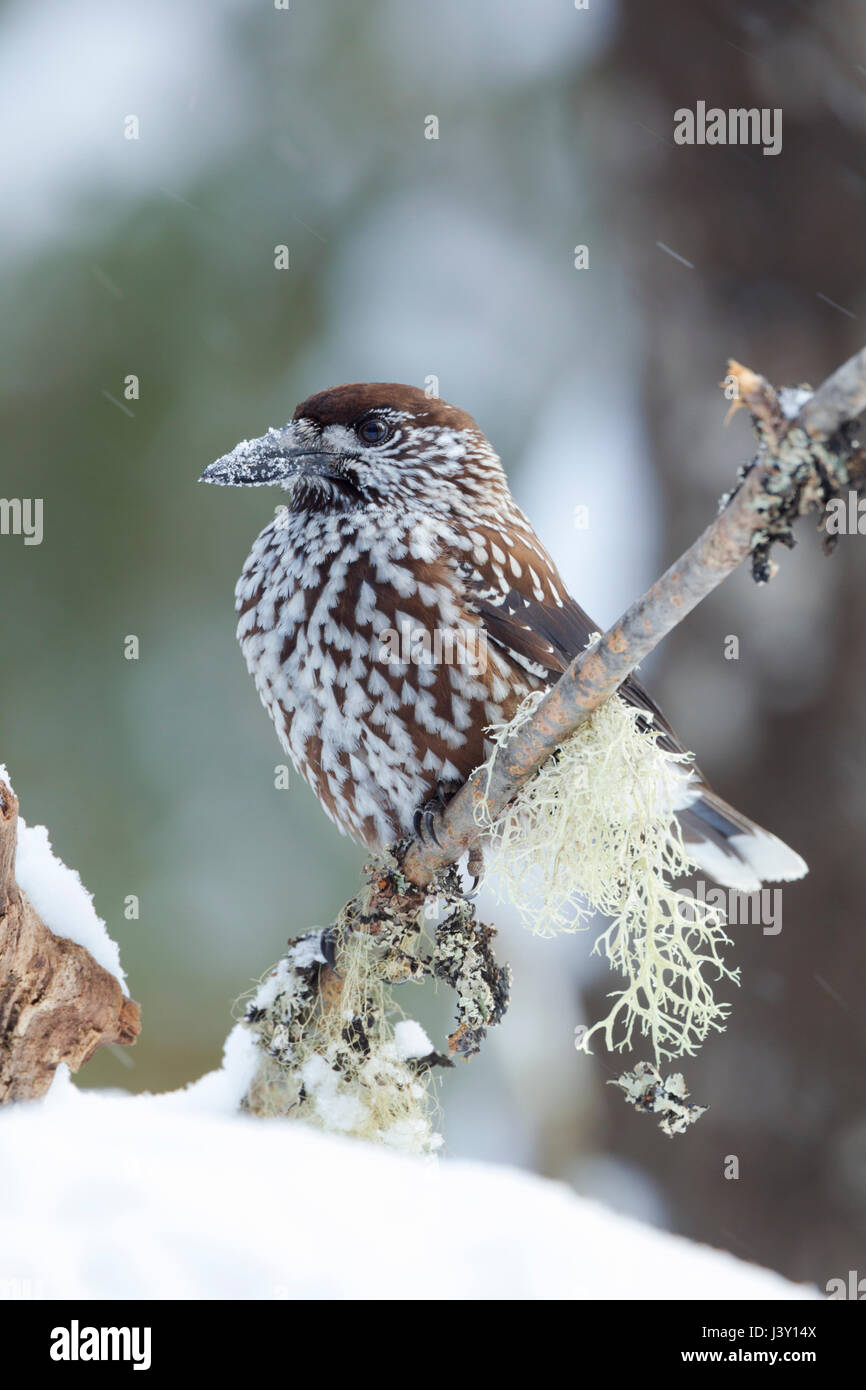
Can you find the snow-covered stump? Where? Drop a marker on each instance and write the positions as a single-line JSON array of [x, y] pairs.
[[57, 1003]]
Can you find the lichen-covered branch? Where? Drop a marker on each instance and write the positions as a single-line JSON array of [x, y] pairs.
[[333, 1051], [807, 452], [56, 1004]]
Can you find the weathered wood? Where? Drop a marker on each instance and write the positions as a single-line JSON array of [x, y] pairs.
[[56, 1004]]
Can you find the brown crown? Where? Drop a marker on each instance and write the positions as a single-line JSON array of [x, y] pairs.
[[342, 405]]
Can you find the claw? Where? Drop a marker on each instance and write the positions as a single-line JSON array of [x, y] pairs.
[[328, 947], [475, 867], [423, 821]]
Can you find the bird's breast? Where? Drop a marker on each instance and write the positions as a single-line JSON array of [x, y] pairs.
[[374, 670]]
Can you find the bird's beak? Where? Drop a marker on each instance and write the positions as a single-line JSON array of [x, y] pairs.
[[275, 459]]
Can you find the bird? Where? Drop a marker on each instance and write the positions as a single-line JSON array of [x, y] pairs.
[[399, 604]]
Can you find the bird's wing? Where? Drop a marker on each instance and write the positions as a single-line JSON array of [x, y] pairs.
[[527, 612]]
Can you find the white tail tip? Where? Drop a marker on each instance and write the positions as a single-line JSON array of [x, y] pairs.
[[756, 857]]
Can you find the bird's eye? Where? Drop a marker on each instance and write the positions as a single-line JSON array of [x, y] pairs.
[[372, 430]]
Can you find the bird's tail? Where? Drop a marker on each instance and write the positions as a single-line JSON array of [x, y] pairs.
[[734, 851]]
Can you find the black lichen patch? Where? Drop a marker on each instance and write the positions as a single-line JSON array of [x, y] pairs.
[[807, 477], [666, 1098], [463, 957]]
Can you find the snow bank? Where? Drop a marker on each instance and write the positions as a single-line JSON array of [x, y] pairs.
[[107, 1195]]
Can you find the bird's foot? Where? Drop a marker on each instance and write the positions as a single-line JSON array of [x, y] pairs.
[[427, 816]]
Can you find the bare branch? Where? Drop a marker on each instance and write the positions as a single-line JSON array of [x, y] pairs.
[[841, 398]]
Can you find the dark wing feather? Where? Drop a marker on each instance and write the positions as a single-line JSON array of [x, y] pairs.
[[529, 616], [532, 617]]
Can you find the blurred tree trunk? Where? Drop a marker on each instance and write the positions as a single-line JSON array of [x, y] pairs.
[[767, 236]]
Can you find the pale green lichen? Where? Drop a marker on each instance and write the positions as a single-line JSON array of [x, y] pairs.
[[594, 832]]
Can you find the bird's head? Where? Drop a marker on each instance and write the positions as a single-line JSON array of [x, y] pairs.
[[366, 444]]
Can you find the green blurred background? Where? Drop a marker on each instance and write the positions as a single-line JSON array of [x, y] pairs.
[[453, 257]]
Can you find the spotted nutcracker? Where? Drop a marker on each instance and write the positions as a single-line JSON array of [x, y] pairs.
[[400, 603]]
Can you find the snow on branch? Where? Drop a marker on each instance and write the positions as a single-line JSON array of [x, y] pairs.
[[62, 992]]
